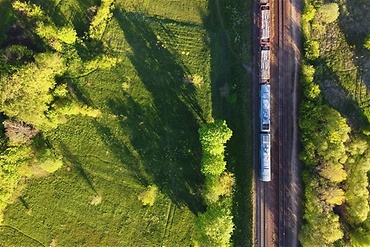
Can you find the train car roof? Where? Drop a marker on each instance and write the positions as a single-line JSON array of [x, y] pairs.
[[265, 64], [265, 158], [265, 24]]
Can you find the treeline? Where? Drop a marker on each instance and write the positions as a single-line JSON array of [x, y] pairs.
[[36, 89], [336, 158], [215, 226]]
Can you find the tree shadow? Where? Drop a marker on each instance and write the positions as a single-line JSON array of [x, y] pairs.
[[77, 165], [164, 133], [338, 97], [117, 147], [354, 21]]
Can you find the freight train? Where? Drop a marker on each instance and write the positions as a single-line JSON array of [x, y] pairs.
[[265, 99]]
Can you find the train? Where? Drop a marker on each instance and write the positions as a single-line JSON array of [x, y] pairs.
[[265, 165], [265, 95]]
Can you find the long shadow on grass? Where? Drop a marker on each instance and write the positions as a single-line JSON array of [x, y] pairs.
[[77, 165], [166, 133], [117, 147], [338, 97], [354, 21]]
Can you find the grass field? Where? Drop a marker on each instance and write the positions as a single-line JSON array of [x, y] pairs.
[[147, 135], [177, 63]]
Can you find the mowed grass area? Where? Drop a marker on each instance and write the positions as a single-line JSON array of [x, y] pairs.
[[152, 104], [192, 11]]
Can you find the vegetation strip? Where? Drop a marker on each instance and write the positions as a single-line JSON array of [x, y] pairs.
[[335, 144]]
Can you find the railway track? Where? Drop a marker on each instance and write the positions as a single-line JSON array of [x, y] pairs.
[[282, 125], [277, 207]]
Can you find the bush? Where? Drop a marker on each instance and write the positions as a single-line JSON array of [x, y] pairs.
[[214, 227], [328, 13], [367, 42], [149, 196], [312, 49]]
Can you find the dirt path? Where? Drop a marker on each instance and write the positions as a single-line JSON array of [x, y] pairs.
[[296, 183]]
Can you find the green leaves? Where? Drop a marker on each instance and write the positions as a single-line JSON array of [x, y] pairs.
[[215, 226], [99, 23], [213, 136], [26, 95], [328, 13], [367, 42]]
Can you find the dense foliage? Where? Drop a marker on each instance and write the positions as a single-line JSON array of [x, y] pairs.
[[34, 96], [335, 150], [215, 226]]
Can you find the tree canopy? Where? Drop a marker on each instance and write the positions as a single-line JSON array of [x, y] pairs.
[[328, 13]]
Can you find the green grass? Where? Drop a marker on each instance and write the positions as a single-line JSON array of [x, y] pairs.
[[152, 103], [191, 11], [147, 134]]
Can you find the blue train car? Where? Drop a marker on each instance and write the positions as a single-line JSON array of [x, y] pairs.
[[265, 108], [265, 151]]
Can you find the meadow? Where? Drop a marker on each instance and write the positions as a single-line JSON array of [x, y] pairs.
[[174, 58], [146, 135]]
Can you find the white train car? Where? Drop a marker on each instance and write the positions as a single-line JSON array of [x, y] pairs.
[[265, 64], [265, 151], [265, 23], [265, 108]]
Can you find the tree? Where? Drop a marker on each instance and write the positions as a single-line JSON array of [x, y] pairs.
[[356, 186], [367, 42], [334, 172], [19, 132], [100, 20], [312, 49], [309, 12], [214, 227], [26, 95], [213, 165], [308, 72], [48, 160], [214, 135], [328, 13], [216, 187], [359, 237], [10, 162], [332, 195], [31, 10]]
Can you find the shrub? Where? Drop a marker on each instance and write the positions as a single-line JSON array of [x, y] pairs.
[[149, 196]]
